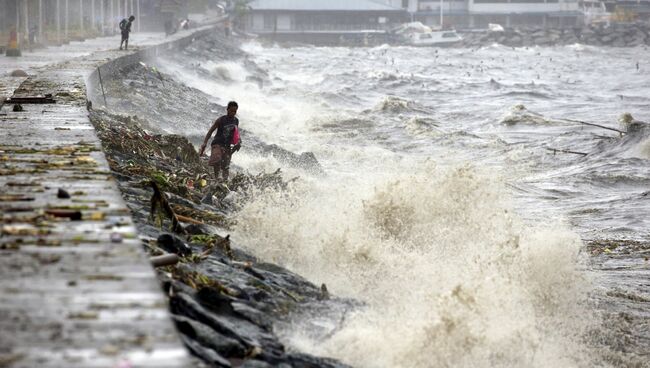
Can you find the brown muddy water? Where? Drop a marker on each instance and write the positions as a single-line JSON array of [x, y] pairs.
[[445, 205]]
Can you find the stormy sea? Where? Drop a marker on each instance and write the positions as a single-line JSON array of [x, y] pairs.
[[482, 207]]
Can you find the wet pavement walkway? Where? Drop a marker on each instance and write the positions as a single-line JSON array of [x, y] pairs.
[[33, 61], [76, 288]]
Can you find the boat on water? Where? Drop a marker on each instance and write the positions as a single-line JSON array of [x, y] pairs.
[[594, 12], [417, 34]]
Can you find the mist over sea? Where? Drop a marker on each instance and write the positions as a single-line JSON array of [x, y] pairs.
[[448, 207]]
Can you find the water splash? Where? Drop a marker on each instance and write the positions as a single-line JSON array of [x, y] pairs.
[[450, 276], [520, 114]]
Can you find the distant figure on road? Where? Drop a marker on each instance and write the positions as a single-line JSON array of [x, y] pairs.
[[185, 23], [227, 127], [125, 28], [32, 37]]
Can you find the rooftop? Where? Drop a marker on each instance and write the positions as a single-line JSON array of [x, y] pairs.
[[328, 5]]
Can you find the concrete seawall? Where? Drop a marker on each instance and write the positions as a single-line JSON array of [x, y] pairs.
[[77, 288], [113, 66]]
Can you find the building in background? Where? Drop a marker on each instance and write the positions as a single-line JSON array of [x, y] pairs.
[[479, 13], [59, 21], [291, 16], [455, 14], [628, 10], [518, 13]]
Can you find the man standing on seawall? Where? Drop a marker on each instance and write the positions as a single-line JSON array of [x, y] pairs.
[[227, 127], [125, 27]]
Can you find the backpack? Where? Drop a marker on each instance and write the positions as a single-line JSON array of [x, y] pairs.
[[235, 136], [123, 25]]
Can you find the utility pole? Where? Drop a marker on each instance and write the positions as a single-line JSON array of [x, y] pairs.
[[81, 14], [58, 22], [92, 15], [40, 21], [26, 22], [67, 8], [101, 17], [137, 10], [18, 21]]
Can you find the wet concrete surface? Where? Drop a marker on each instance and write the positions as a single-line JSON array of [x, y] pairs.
[[39, 59], [77, 289]]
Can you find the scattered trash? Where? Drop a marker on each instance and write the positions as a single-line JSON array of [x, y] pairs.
[[83, 315], [116, 238], [15, 198], [109, 350], [46, 99], [152, 160], [164, 260], [160, 205], [23, 230], [71, 214], [174, 245]]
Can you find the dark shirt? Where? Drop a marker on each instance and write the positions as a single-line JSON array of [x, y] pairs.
[[222, 126], [127, 28]]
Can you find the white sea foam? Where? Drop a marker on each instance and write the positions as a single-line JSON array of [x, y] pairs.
[[450, 275]]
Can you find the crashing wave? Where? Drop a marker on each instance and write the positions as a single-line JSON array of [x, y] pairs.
[[631, 125], [384, 76], [398, 105], [394, 104], [222, 73], [520, 114], [422, 126], [448, 273], [636, 143], [227, 71]]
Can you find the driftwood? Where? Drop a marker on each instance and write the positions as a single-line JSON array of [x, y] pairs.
[[164, 260], [193, 214], [182, 218], [596, 125], [555, 150], [159, 202]]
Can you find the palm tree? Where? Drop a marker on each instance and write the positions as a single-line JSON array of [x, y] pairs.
[[240, 9]]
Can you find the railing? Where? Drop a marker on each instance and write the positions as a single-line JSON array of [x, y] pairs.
[[329, 27]]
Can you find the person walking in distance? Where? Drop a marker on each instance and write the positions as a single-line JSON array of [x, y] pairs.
[[125, 28], [225, 142]]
